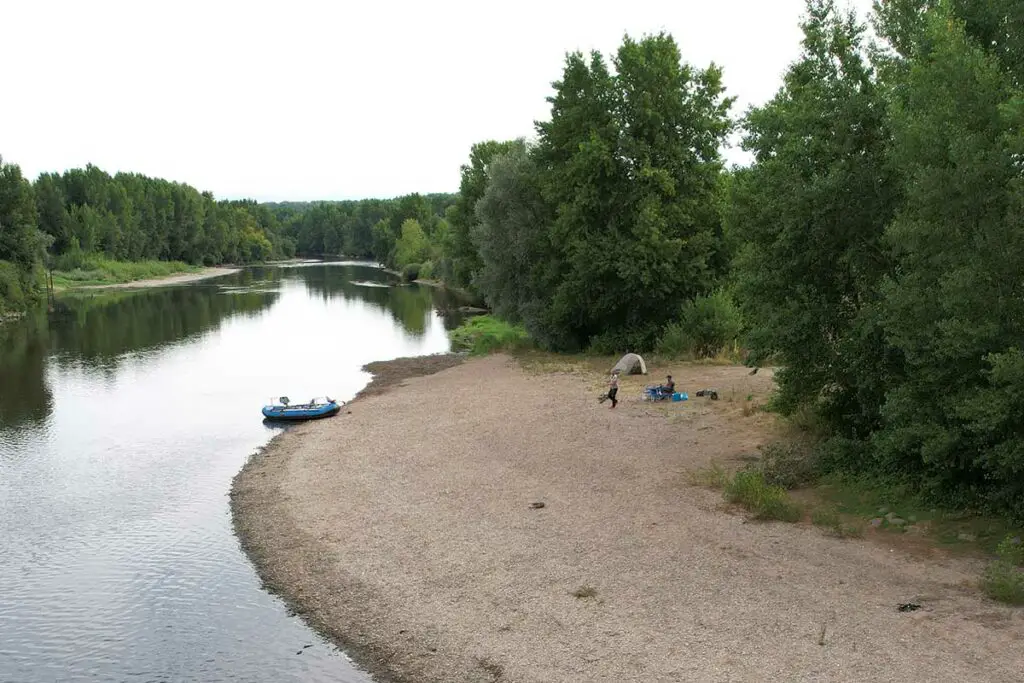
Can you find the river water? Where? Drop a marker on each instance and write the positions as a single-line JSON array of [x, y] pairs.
[[122, 423]]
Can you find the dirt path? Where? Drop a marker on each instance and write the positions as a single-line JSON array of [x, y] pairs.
[[405, 530], [179, 279]]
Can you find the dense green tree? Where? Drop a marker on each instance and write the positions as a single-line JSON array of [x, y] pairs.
[[412, 246], [630, 165], [130, 216], [811, 211], [516, 253], [21, 242], [954, 304], [461, 251]]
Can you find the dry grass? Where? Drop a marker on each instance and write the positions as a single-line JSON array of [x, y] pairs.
[[584, 592]]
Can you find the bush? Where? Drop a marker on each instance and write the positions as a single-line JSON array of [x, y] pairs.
[[628, 340], [76, 268], [749, 489], [486, 334], [426, 271], [12, 294], [788, 464], [411, 272], [1004, 578], [706, 325]]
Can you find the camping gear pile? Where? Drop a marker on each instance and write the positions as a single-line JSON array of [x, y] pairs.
[[658, 393]]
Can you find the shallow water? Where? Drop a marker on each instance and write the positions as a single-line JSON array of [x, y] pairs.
[[122, 424]]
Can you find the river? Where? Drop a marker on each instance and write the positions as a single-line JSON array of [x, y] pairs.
[[122, 423]]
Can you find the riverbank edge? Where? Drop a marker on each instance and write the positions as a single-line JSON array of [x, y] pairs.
[[165, 281], [371, 657], [439, 284]]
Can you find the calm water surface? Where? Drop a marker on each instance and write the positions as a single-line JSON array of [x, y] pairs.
[[121, 426]]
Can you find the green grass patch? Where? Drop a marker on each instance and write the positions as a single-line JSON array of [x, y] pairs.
[[1004, 578], [96, 270], [870, 498], [749, 489], [829, 519], [486, 334]]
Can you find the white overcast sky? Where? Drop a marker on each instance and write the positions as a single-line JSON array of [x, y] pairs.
[[301, 100]]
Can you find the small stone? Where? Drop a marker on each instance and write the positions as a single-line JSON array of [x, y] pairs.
[[964, 536], [537, 506], [897, 521]]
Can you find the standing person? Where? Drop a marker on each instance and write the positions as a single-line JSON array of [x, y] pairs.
[[613, 388]]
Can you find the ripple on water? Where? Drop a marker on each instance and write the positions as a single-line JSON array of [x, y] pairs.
[[118, 558]]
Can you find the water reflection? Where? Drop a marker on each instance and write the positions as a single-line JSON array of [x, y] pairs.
[[122, 422], [100, 328], [411, 305], [105, 326], [24, 396]]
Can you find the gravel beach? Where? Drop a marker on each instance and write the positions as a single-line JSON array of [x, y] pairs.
[[179, 279], [410, 531]]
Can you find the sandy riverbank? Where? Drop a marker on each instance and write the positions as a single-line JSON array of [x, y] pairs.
[[405, 531], [177, 279]]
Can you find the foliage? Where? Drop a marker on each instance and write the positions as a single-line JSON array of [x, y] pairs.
[[92, 269], [629, 165], [714, 476], [811, 212], [879, 244], [788, 464], [705, 326], [411, 246], [131, 217], [365, 228], [486, 334], [461, 247], [516, 252], [12, 289], [411, 272], [830, 519], [953, 306], [21, 243], [598, 233], [749, 489], [1004, 578]]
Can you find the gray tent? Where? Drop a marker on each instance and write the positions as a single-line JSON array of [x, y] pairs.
[[631, 364]]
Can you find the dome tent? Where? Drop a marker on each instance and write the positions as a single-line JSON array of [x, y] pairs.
[[631, 364]]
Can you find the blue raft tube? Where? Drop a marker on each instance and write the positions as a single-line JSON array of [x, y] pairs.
[[317, 408]]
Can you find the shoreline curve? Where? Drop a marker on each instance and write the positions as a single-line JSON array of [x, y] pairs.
[[170, 280], [491, 523], [251, 499]]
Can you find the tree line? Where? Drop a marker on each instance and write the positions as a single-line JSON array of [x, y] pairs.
[[60, 220], [408, 233], [872, 249]]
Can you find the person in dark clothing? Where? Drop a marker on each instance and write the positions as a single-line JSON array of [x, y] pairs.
[[613, 387], [669, 387]]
